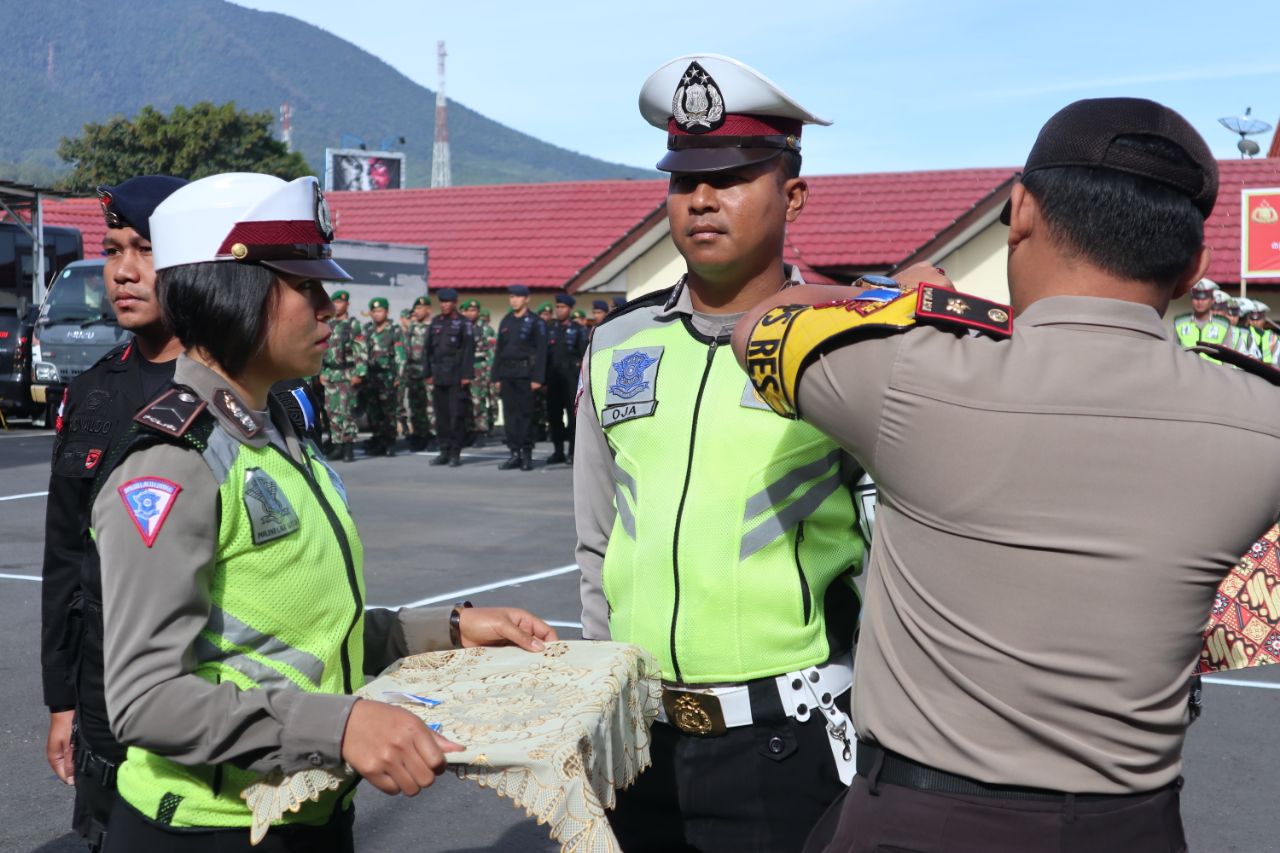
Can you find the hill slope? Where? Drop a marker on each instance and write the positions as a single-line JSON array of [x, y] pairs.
[[109, 59]]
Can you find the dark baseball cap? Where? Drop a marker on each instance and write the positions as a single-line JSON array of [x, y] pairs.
[[1084, 134]]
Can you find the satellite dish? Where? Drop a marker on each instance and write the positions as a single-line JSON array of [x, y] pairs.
[[1245, 125]]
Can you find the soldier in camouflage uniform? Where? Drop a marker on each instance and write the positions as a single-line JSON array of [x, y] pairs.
[[343, 369], [417, 395], [491, 402], [486, 338], [381, 387]]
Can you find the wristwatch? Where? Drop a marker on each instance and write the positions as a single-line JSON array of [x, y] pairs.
[[455, 623]]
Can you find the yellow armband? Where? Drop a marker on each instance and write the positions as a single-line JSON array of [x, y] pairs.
[[789, 337]]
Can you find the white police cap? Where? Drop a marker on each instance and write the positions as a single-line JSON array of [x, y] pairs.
[[248, 218], [720, 113], [1204, 285], [1221, 297]]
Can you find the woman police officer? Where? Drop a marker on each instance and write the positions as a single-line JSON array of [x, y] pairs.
[[231, 568]]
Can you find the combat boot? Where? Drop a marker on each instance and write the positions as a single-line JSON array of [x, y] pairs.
[[349, 452], [442, 458], [557, 457], [391, 447], [526, 460], [335, 452], [455, 460], [512, 463]]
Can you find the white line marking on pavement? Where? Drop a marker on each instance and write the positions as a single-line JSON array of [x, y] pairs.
[[1240, 682], [20, 497], [21, 435], [462, 593], [35, 578]]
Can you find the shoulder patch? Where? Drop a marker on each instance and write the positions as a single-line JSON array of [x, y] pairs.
[[789, 337], [1227, 355], [172, 412], [939, 306], [148, 501]]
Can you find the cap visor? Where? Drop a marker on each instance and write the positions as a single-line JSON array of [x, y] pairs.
[[714, 159], [323, 269]]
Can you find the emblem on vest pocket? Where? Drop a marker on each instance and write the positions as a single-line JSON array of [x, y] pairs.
[[271, 516], [633, 380]]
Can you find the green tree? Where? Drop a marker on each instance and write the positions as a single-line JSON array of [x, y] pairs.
[[190, 142]]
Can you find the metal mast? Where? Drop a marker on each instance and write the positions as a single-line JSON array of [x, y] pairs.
[[441, 171], [286, 126]]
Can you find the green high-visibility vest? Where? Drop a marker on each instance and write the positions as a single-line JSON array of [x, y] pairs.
[[1214, 331], [287, 593], [731, 523]]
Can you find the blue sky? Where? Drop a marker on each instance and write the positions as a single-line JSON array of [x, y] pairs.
[[910, 85]]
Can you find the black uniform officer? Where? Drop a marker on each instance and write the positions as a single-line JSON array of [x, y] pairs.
[[449, 366], [566, 342], [97, 409], [519, 368], [599, 310]]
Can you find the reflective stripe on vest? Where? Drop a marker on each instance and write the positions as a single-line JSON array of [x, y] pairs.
[[731, 522], [284, 616]]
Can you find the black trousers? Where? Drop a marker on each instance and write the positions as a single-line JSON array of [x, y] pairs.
[[95, 798], [561, 388], [453, 408], [754, 788], [876, 817], [133, 833], [517, 413]]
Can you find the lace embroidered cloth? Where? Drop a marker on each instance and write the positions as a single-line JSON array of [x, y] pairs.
[[555, 732], [1244, 624]]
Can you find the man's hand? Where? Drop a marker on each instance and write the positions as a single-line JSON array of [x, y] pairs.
[[922, 273], [503, 626], [465, 382], [430, 382], [57, 748], [535, 385], [323, 382], [356, 380], [497, 386], [392, 748]]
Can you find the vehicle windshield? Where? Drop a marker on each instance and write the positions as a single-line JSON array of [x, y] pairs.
[[78, 295]]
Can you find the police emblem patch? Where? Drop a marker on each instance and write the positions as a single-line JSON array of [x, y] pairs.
[[633, 378], [324, 221], [271, 516], [698, 106], [148, 501]]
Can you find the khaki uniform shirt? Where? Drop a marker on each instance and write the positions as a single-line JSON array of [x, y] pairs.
[[156, 601], [1048, 538]]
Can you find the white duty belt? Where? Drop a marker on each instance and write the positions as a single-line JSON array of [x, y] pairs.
[[711, 711]]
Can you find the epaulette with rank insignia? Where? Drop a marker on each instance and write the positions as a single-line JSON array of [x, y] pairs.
[[172, 413], [788, 338], [1238, 359]]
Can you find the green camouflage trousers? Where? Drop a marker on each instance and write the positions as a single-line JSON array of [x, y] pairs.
[[419, 408], [379, 394], [481, 419], [340, 403]]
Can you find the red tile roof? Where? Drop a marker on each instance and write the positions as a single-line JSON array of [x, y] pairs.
[[1222, 230], [481, 237], [542, 235], [873, 221]]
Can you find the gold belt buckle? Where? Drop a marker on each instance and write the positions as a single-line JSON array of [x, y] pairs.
[[694, 713]]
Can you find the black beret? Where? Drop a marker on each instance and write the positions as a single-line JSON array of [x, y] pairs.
[[517, 290], [600, 305], [619, 301], [447, 294], [566, 299], [131, 203]]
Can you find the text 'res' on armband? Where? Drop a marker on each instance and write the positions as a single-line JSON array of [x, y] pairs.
[[765, 367]]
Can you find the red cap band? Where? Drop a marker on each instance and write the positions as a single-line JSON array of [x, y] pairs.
[[279, 232], [741, 124]]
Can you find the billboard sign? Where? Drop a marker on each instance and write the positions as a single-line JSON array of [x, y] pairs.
[[1260, 233], [356, 169]]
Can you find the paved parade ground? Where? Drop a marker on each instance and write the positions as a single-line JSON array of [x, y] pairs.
[[501, 537]]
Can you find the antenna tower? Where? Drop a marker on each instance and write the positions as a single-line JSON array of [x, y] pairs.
[[441, 171], [286, 126]]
